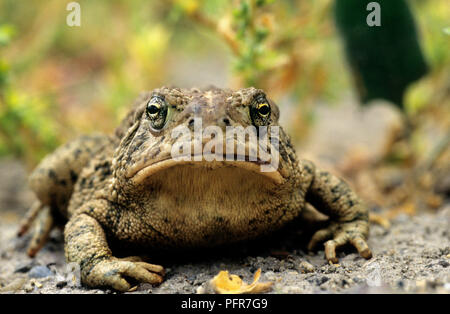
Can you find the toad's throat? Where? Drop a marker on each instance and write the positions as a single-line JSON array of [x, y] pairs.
[[206, 162], [211, 205]]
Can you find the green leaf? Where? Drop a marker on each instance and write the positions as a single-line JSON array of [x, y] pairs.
[[6, 34]]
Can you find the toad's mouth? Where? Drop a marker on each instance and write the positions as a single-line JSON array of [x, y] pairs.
[[206, 162]]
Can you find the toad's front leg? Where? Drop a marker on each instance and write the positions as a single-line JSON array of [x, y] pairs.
[[85, 244], [349, 216]]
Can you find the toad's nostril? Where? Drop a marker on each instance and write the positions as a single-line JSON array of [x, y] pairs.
[[226, 121]]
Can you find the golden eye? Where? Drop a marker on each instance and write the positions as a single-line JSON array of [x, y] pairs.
[[263, 109], [260, 110], [157, 112]]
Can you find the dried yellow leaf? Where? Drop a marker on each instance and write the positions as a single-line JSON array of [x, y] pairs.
[[224, 283]]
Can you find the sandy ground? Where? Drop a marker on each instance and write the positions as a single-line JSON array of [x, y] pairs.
[[413, 255]]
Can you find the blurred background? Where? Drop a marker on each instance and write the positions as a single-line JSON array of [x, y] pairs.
[[58, 81]]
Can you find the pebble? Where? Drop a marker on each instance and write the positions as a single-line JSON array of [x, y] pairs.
[[318, 280], [32, 285], [306, 267], [40, 272], [443, 263], [322, 280], [201, 290], [61, 284], [24, 268]]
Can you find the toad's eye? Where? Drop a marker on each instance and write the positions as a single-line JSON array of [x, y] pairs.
[[153, 109], [263, 109], [157, 112], [260, 111]]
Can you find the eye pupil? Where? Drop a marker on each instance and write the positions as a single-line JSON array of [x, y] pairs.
[[264, 109], [153, 109]]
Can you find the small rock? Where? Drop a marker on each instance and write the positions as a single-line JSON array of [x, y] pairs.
[[24, 268], [61, 284], [443, 263], [28, 287], [322, 280], [344, 283], [306, 267], [318, 280], [205, 288], [201, 290], [32, 285], [40, 272], [36, 283]]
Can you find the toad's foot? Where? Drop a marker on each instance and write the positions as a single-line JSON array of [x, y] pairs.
[[349, 216], [119, 274], [41, 217], [353, 232]]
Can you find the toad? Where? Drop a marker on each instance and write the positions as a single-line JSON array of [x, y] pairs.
[[128, 190]]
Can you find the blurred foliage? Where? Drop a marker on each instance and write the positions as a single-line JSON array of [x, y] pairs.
[[25, 128], [372, 52], [58, 81]]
